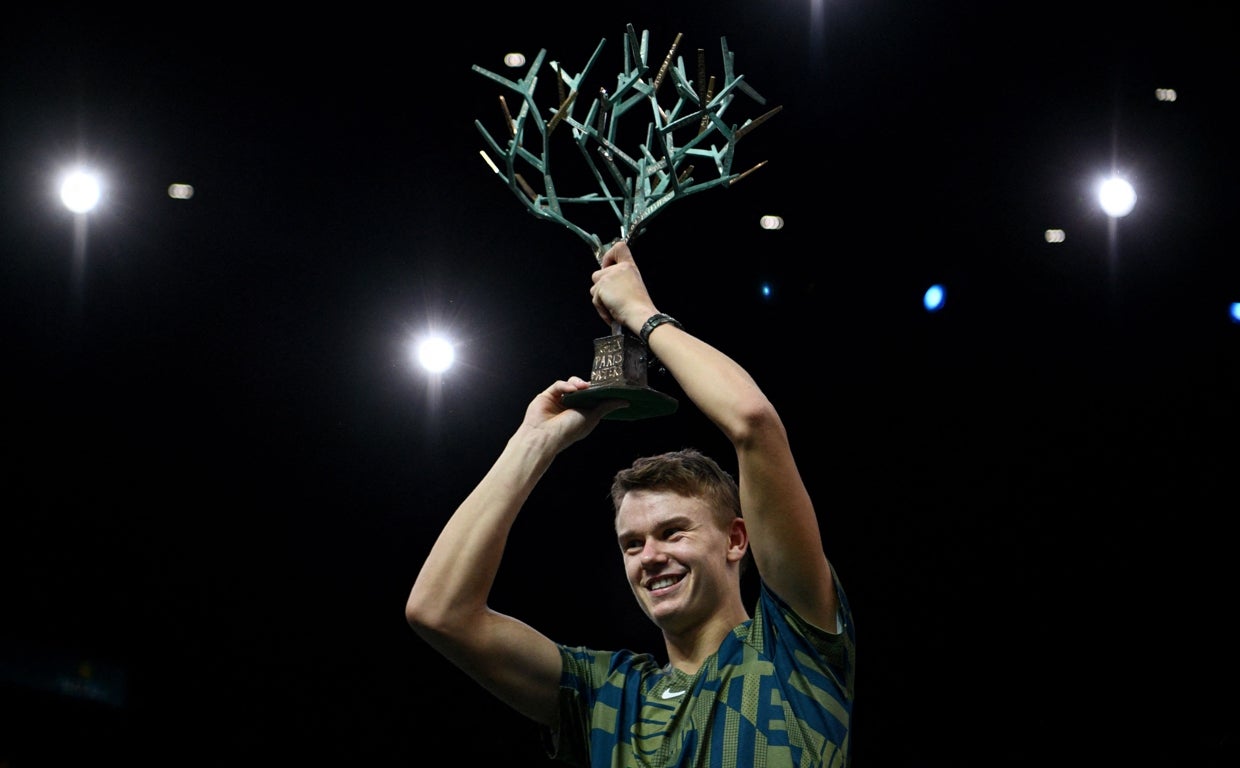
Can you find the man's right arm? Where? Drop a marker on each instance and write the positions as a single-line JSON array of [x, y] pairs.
[[448, 603]]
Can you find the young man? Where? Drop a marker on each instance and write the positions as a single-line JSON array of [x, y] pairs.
[[774, 690]]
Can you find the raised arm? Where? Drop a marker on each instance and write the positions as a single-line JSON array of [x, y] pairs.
[[448, 603], [783, 528]]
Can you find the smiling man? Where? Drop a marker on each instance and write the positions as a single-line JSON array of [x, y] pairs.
[[772, 688]]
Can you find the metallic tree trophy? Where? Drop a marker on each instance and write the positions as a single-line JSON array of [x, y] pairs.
[[636, 185]]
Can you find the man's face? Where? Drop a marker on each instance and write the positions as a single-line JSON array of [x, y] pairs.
[[676, 557]]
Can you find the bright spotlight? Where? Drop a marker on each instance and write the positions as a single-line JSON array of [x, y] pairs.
[[79, 191], [436, 354], [933, 298], [1116, 197]]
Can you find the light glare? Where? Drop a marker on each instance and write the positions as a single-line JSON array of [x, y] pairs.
[[79, 191], [1116, 197], [436, 354]]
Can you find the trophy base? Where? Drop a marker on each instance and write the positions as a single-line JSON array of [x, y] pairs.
[[643, 402], [619, 373]]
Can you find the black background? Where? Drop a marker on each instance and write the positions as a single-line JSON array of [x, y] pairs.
[[224, 470]]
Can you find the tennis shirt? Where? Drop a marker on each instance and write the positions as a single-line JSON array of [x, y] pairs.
[[778, 693]]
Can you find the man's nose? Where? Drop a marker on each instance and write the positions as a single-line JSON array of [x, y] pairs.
[[652, 552]]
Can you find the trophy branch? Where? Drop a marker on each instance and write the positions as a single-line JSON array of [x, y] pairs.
[[686, 129]]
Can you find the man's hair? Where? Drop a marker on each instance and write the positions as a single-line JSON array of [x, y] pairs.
[[687, 472]]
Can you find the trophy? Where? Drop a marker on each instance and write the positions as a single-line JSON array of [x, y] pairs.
[[635, 185]]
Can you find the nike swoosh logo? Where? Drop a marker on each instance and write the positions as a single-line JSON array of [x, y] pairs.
[[670, 694]]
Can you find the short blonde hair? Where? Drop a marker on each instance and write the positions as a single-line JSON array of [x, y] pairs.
[[687, 472]]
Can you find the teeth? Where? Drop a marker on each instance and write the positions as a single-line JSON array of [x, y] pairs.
[[666, 581]]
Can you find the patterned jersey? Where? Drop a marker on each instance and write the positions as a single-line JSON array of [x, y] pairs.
[[778, 692]]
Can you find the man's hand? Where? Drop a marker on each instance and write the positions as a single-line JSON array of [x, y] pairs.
[[562, 425], [618, 292]]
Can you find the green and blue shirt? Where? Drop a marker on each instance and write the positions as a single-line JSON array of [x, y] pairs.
[[778, 693]]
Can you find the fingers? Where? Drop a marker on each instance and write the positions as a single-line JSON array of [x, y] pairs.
[[618, 252], [597, 300], [618, 291], [565, 387]]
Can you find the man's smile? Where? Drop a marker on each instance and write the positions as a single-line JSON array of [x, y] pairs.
[[662, 582]]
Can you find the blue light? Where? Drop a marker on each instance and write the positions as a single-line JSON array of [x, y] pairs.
[[934, 297], [766, 290], [1235, 311]]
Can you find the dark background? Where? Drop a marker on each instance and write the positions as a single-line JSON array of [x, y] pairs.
[[224, 469]]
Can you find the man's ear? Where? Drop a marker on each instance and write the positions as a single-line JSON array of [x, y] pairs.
[[738, 540]]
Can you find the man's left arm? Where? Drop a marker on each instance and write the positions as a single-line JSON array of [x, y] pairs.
[[783, 527]]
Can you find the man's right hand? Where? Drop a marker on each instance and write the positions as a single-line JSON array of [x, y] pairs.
[[564, 425]]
